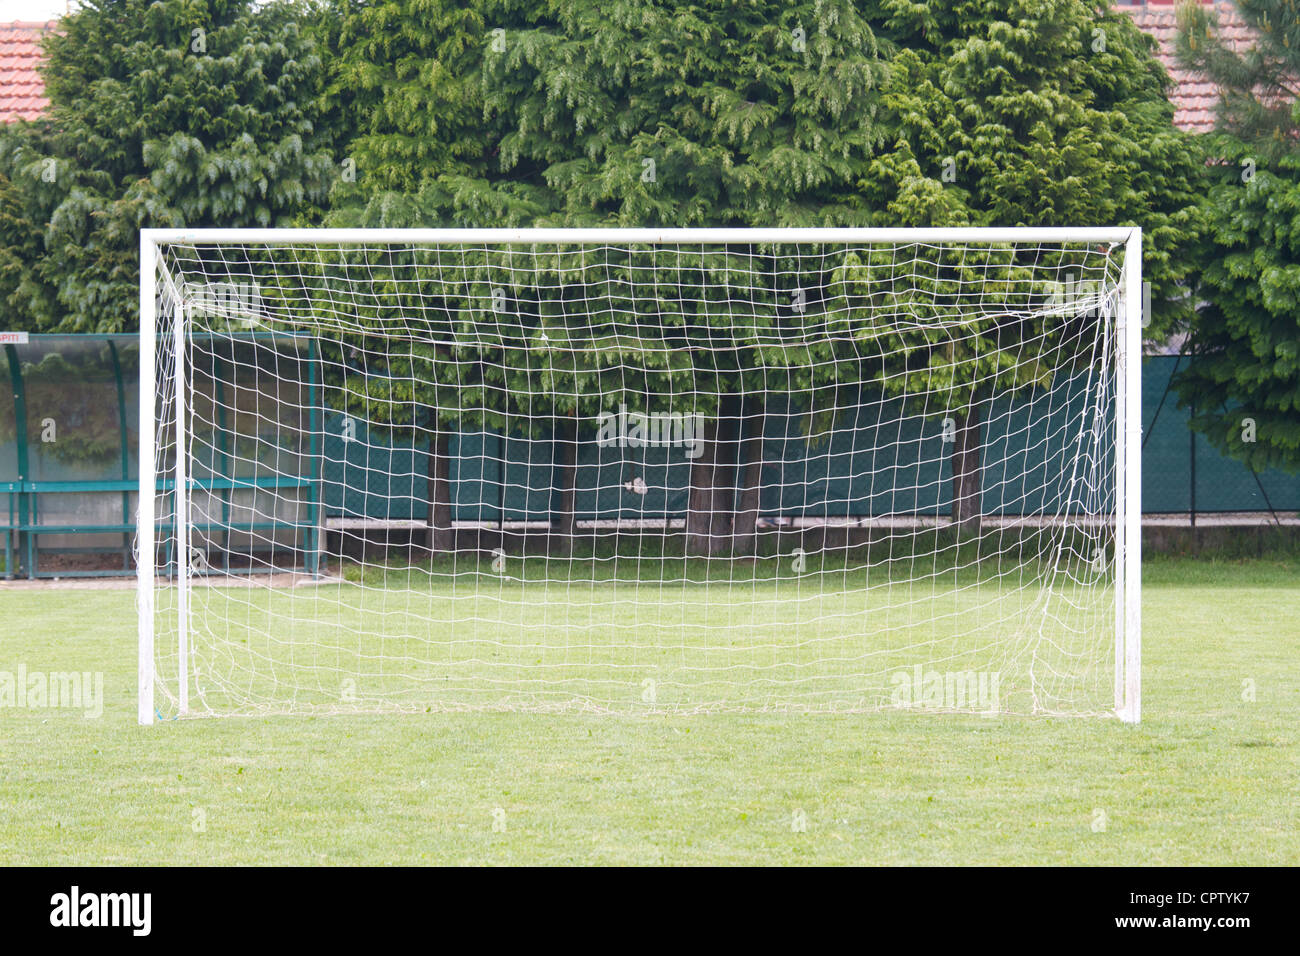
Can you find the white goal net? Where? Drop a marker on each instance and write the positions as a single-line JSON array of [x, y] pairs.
[[638, 471]]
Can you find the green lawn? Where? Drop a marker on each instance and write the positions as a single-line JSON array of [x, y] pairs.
[[644, 643], [1208, 777]]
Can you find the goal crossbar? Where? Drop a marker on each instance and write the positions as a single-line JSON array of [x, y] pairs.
[[708, 236]]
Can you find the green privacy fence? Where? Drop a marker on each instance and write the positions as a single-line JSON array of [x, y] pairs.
[[69, 447], [1181, 472], [880, 458]]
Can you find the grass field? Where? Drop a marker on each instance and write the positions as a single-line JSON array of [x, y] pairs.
[[658, 637], [1208, 777]]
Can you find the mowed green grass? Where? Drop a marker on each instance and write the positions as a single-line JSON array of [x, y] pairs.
[[1208, 777], [828, 643]]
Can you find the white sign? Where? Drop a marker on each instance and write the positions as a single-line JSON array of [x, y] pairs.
[[13, 338]]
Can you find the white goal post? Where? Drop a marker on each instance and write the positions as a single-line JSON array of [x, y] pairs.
[[640, 470]]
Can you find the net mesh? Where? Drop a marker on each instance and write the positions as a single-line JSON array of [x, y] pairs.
[[636, 477]]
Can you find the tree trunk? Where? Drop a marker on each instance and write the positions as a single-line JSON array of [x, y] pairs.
[[708, 515], [566, 448], [441, 536], [966, 472], [744, 538]]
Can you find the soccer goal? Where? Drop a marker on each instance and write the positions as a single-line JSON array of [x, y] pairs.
[[640, 471]]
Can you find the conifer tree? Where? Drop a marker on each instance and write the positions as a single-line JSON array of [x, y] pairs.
[[1243, 378], [163, 113], [1023, 112]]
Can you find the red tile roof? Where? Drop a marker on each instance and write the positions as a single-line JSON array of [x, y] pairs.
[[21, 89], [1193, 96]]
